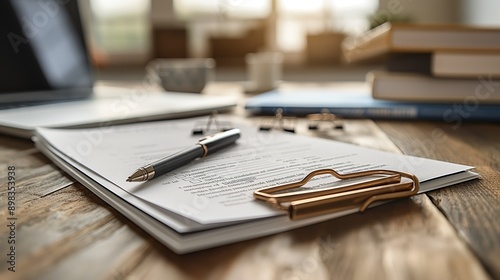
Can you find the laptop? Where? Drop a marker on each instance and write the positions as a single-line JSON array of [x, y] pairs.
[[46, 76]]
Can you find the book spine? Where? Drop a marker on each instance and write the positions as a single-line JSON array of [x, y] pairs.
[[450, 113], [407, 112]]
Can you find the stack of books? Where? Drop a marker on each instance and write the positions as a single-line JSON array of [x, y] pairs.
[[446, 64]]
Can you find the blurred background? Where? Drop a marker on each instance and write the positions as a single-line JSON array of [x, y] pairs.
[[124, 35]]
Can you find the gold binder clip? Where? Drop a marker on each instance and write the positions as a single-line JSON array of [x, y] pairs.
[[306, 203], [202, 128], [279, 122], [324, 117]]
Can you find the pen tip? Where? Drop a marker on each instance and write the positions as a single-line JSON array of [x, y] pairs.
[[135, 178], [139, 176]]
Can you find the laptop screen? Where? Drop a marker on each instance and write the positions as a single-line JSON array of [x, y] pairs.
[[42, 50]]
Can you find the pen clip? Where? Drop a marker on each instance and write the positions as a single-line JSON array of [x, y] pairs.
[[360, 195], [209, 136], [218, 140]]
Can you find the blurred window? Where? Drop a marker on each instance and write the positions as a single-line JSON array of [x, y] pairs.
[[121, 26]]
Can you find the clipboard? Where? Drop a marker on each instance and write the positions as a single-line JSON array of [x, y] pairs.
[[380, 185]]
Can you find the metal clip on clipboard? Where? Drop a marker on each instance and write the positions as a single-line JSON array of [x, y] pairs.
[[324, 117], [278, 122], [307, 203], [219, 126]]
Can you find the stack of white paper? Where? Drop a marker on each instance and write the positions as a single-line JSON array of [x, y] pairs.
[[209, 202]]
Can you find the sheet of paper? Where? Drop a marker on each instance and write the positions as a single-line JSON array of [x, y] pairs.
[[123, 199], [219, 187]]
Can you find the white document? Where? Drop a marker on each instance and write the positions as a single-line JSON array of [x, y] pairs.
[[219, 188], [170, 229]]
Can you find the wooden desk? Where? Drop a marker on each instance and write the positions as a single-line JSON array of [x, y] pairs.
[[64, 231]]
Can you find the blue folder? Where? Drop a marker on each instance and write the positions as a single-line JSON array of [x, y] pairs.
[[356, 104]]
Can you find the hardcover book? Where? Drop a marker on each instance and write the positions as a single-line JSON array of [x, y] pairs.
[[390, 37]]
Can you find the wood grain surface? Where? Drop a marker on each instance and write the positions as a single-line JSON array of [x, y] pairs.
[[65, 232], [472, 208]]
